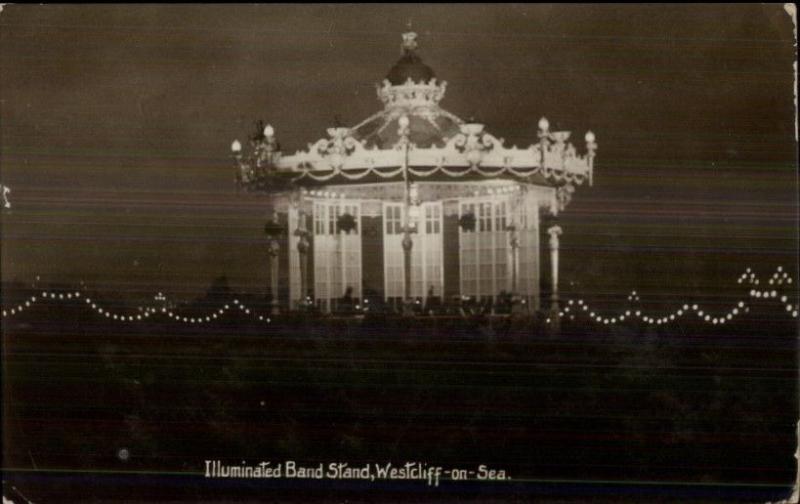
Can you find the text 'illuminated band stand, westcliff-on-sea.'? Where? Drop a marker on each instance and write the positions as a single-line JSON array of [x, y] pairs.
[[412, 206]]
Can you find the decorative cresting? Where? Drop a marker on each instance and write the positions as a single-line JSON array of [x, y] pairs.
[[471, 152], [410, 94], [411, 88]]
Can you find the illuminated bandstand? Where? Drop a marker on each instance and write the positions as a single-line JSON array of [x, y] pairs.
[[412, 205]]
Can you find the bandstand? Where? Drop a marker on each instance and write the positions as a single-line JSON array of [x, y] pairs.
[[411, 205]]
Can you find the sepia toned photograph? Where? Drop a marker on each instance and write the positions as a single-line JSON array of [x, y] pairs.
[[356, 253]]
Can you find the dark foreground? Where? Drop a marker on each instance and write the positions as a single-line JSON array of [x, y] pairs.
[[129, 412]]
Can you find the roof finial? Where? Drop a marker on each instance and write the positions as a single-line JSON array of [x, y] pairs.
[[409, 41]]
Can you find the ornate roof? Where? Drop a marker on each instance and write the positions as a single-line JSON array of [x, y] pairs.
[[412, 136], [410, 90]]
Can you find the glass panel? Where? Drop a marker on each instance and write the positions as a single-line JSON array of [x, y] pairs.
[[500, 216]]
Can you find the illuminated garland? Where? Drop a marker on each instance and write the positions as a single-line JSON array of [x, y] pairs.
[[780, 277], [571, 309], [382, 172], [145, 313]]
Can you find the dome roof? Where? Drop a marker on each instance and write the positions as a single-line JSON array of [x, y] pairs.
[[429, 125], [409, 66]]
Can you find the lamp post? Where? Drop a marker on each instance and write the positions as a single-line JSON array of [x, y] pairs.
[[591, 148], [257, 171], [303, 245], [408, 228], [5, 191], [556, 142]]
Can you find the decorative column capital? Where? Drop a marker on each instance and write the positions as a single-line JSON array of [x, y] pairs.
[[274, 247], [303, 242], [407, 242], [554, 232], [513, 237]]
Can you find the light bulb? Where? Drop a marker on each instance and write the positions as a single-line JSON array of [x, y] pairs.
[[544, 124], [236, 146]]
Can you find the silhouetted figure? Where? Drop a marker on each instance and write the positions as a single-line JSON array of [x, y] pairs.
[[486, 309], [432, 303], [346, 303], [503, 304]]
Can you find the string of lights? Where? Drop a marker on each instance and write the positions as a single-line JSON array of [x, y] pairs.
[[144, 313], [780, 277], [573, 307]]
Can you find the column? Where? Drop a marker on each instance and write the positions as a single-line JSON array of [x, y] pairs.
[[513, 241], [303, 246], [407, 244], [273, 230], [554, 232], [272, 258]]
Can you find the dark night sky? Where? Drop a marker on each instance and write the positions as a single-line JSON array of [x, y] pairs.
[[116, 123]]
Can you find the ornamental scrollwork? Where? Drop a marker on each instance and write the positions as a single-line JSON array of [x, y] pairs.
[[564, 196], [337, 148], [473, 142]]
